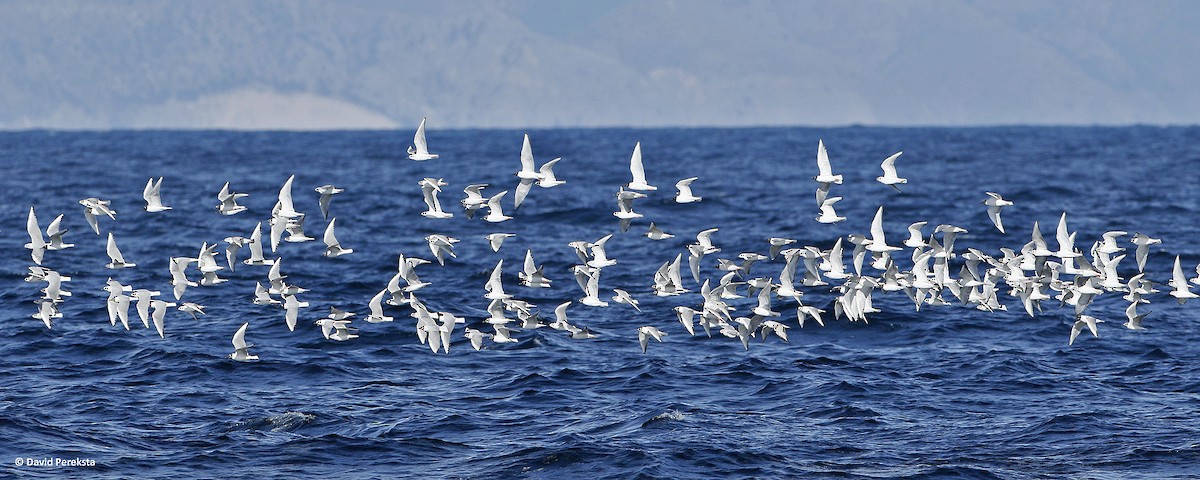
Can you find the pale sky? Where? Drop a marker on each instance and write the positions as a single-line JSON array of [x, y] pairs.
[[319, 64]]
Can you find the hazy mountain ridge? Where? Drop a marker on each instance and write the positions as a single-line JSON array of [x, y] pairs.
[[320, 64]]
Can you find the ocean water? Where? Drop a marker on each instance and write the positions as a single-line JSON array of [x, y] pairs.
[[944, 392]]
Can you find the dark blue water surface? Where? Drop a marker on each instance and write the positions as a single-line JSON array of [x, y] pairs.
[[946, 392]]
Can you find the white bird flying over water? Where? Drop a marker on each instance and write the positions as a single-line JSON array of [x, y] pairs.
[[376, 308], [828, 215], [228, 199], [294, 227], [647, 332], [474, 199], [994, 203], [1134, 321], [621, 296], [152, 195], [548, 180], [495, 211], [430, 187], [144, 299], [878, 243], [625, 211], [889, 176], [327, 192], [192, 309], [160, 312], [419, 150], [114, 254], [37, 244], [496, 240], [531, 274], [824, 170], [528, 173], [685, 191], [56, 232], [1143, 243], [655, 233], [241, 350], [287, 209], [333, 248], [638, 171], [1179, 284], [92, 207], [291, 308], [1084, 321], [495, 285]]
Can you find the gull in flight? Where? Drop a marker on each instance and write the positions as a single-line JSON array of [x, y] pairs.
[[495, 240], [687, 317], [440, 245], [495, 211], [777, 244], [179, 280], [37, 244], [824, 170], [878, 243], [160, 312], [262, 296], [419, 150], [291, 307], [256, 248], [548, 180], [589, 280], [153, 196], [376, 308], [294, 227], [828, 215], [114, 254], [621, 296], [144, 299], [647, 332], [1134, 321], [241, 350], [228, 199], [915, 238], [599, 256], [430, 187], [889, 176], [994, 203], [1143, 243], [495, 285], [685, 191], [337, 330], [655, 233], [56, 232], [625, 211], [287, 209], [327, 192], [192, 309], [1084, 321], [476, 337], [1109, 242], [233, 244], [1179, 284], [528, 173], [333, 248], [92, 207], [531, 274], [474, 199], [639, 173]]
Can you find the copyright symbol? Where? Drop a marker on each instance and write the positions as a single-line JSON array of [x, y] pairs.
[[20, 461]]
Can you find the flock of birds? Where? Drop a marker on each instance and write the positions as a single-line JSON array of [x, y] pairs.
[[1033, 274]]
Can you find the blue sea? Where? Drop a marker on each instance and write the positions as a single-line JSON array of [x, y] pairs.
[[944, 392]]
